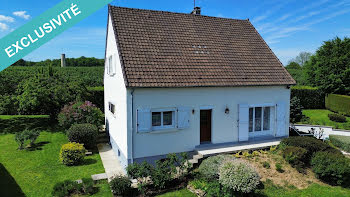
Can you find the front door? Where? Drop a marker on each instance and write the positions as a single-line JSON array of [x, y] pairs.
[[205, 126]]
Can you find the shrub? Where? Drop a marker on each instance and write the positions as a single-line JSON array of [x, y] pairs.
[[137, 171], [295, 110], [68, 188], [311, 144], [310, 97], [266, 165], [72, 153], [331, 168], [211, 188], [31, 135], [238, 176], [209, 168], [80, 112], [296, 156], [20, 138], [337, 117], [342, 142], [84, 134], [338, 103], [120, 185], [279, 167]]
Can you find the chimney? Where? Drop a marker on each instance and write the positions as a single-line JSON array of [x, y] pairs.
[[196, 11], [63, 60]]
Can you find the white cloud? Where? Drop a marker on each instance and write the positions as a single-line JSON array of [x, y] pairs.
[[8, 19], [22, 14], [3, 27]]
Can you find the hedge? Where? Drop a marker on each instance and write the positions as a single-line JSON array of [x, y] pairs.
[[338, 103], [13, 124], [342, 142], [310, 97], [96, 96]]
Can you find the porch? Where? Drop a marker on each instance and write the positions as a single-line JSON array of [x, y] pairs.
[[206, 150]]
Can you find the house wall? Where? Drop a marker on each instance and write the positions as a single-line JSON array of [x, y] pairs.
[[224, 126], [116, 92]]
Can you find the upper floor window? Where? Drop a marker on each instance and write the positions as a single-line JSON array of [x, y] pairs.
[[110, 66], [111, 107]]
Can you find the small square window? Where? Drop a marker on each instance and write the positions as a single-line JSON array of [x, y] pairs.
[[111, 107]]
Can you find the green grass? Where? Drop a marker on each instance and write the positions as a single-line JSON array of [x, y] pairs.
[[7, 117], [313, 190], [179, 193], [35, 172], [320, 117]]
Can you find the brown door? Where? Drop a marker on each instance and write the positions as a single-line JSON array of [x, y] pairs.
[[205, 122]]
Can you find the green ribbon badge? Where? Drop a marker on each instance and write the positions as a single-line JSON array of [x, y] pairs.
[[43, 28]]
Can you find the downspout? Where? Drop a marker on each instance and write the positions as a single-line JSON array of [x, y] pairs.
[[132, 126]]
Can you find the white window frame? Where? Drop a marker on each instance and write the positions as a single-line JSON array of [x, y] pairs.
[[262, 131], [162, 127], [110, 65]]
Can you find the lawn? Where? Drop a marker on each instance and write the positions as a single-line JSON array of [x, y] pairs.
[[35, 172], [7, 117], [313, 190], [320, 117], [179, 193]]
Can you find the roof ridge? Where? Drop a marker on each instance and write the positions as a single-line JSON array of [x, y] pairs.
[[140, 9]]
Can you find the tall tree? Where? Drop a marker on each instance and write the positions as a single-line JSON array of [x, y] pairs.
[[302, 58], [329, 68]]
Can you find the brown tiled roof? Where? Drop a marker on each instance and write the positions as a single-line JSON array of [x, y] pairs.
[[165, 49]]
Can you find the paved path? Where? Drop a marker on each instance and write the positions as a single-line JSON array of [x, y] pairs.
[[110, 161], [327, 130]]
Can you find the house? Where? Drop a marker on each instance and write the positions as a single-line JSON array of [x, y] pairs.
[[175, 81]]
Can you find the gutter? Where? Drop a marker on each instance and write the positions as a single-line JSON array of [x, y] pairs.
[[132, 126]]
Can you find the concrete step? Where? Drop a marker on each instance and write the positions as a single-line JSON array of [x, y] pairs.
[[97, 177], [193, 161], [198, 156]]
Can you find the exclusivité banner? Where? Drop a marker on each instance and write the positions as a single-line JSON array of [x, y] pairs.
[[43, 28]]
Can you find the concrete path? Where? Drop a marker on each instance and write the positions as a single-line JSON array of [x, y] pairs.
[[110, 161], [326, 130]]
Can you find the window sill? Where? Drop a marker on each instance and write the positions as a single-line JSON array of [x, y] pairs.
[[160, 131]]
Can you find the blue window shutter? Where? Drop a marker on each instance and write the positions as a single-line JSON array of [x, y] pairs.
[[281, 119], [243, 122], [183, 117], [144, 120]]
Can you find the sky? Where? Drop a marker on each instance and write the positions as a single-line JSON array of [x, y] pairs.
[[288, 26]]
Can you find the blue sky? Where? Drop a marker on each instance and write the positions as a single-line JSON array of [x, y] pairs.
[[288, 26]]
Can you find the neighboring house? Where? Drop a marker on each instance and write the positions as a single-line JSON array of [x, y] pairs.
[[175, 81]]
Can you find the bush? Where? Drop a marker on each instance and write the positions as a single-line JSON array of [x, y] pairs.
[[331, 168], [72, 153], [137, 171], [20, 138], [120, 185], [342, 142], [96, 96], [337, 117], [209, 168], [68, 188], [311, 144], [310, 97], [238, 176], [211, 188], [79, 113], [84, 134], [338, 103], [295, 110], [279, 167], [266, 165], [296, 156]]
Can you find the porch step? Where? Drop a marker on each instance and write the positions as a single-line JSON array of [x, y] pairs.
[[195, 158]]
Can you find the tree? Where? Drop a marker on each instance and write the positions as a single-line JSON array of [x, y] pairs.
[[293, 65], [295, 110], [302, 58], [46, 93], [329, 68]]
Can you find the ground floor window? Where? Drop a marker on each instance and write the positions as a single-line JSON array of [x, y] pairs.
[[163, 119], [259, 118]]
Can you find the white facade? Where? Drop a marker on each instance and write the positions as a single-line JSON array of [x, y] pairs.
[[133, 137]]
